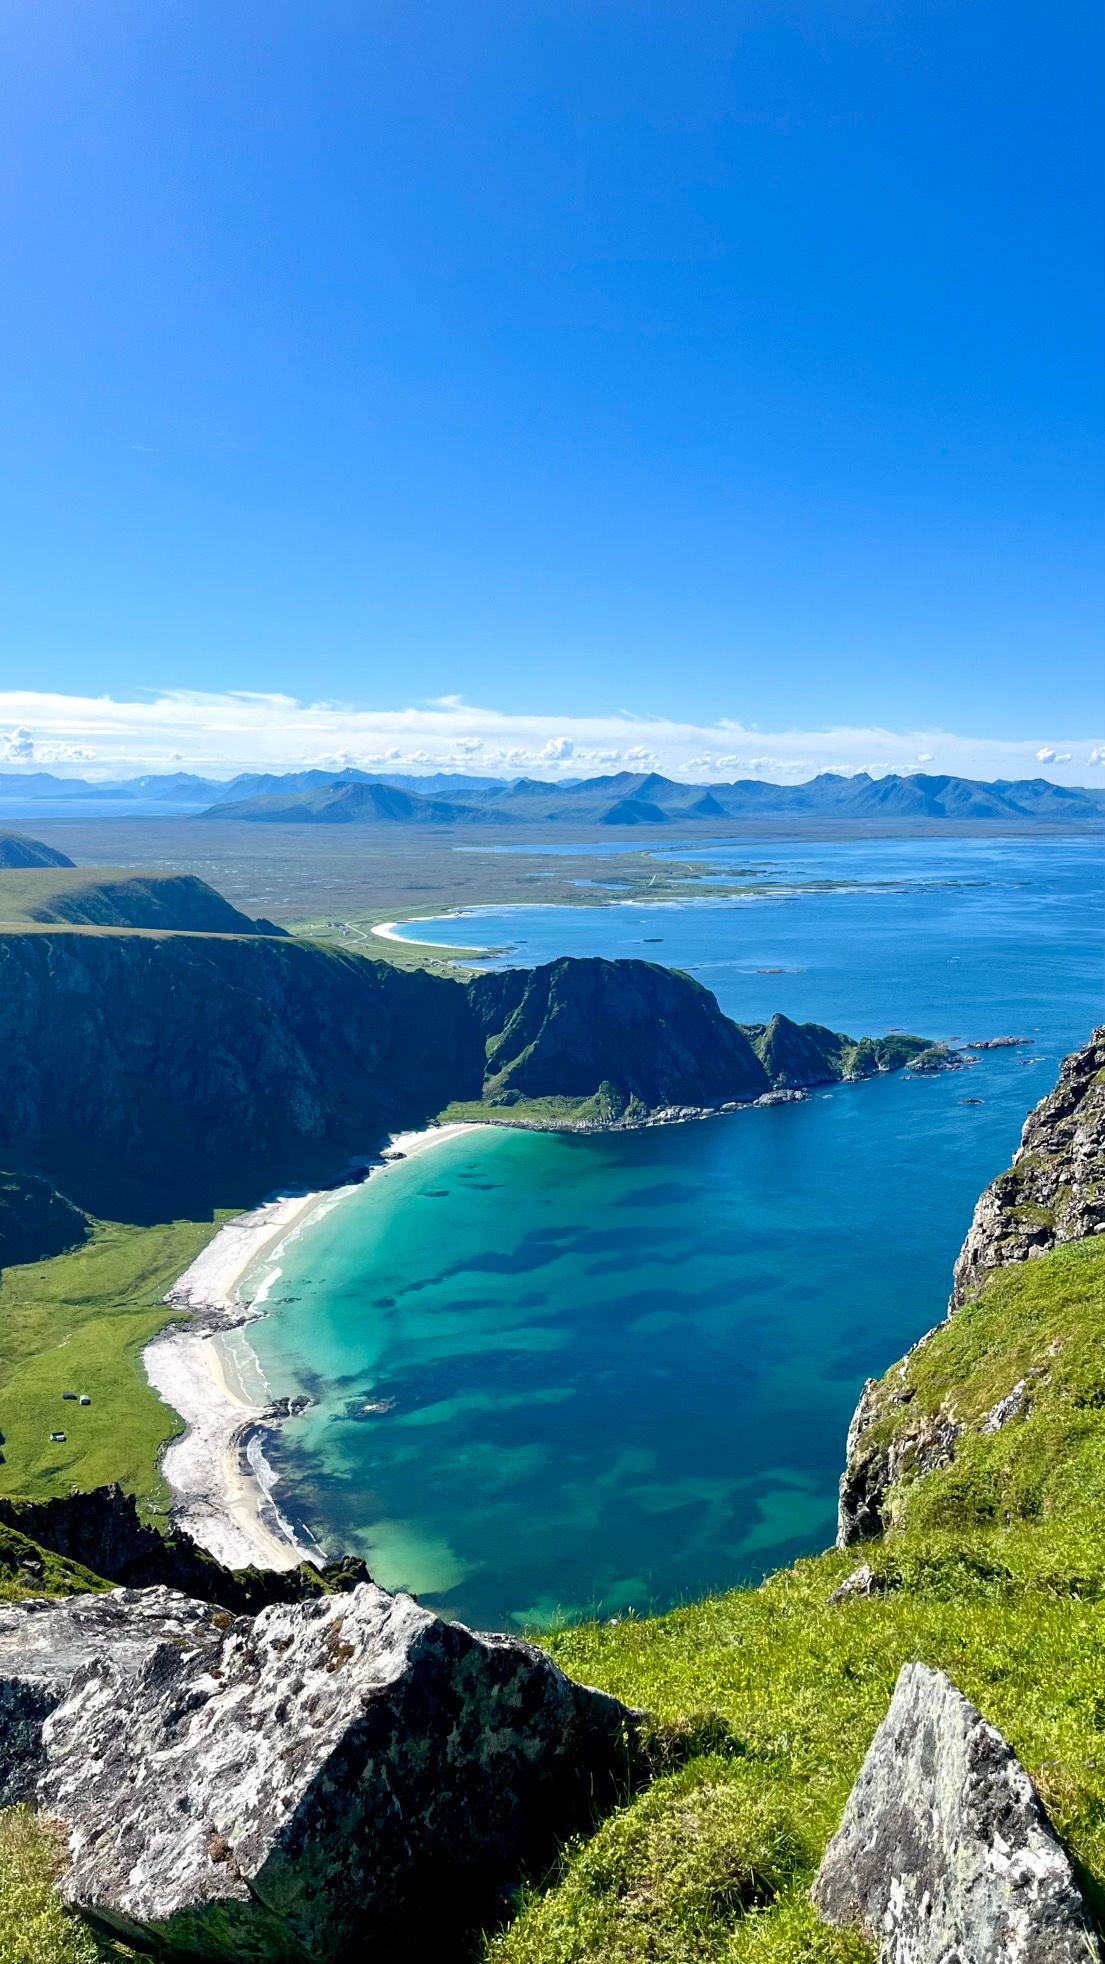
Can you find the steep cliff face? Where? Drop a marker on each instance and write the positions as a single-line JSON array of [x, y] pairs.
[[1055, 1189], [915, 1420], [36, 1222], [138, 1073], [655, 1036], [208, 1070]]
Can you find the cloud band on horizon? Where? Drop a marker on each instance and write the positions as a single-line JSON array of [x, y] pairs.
[[219, 734]]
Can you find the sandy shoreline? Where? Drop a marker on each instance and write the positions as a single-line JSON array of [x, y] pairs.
[[390, 931], [215, 1471]]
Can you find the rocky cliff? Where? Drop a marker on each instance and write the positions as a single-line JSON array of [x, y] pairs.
[[654, 1036], [905, 1427], [1055, 1189], [139, 1072], [36, 1222]]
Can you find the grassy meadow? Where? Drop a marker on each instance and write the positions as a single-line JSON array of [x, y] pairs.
[[79, 1322]]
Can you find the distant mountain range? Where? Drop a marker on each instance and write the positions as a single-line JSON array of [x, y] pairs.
[[647, 800], [353, 797]]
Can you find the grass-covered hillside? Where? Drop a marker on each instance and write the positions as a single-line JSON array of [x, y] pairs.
[[994, 1570], [16, 849], [764, 1701], [79, 1322], [35, 895]]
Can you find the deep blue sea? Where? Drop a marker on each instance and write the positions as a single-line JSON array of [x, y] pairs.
[[614, 1372]]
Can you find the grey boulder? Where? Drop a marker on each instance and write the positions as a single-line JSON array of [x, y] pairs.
[[44, 1642], [945, 1854], [328, 1777]]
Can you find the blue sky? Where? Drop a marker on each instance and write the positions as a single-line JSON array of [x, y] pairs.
[[725, 366]]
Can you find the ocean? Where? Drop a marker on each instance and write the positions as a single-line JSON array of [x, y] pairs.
[[568, 1375]]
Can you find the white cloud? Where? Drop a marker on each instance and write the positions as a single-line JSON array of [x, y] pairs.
[[218, 734], [1046, 755]]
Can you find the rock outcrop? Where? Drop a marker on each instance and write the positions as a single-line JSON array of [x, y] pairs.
[[884, 1445], [44, 1643], [1054, 1192], [945, 1854], [322, 1780], [102, 1529], [1055, 1189]]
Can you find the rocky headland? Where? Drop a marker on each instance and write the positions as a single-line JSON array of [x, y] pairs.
[[141, 1072]]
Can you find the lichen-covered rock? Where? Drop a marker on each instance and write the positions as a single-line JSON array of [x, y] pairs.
[[329, 1776], [861, 1583], [44, 1642], [1055, 1189], [945, 1854]]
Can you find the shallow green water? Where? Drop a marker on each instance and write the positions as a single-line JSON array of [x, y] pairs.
[[617, 1371]]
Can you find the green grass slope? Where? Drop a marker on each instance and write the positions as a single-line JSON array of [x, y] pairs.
[[16, 849], [79, 1323], [994, 1571], [108, 897]]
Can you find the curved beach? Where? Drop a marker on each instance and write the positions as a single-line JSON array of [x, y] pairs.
[[219, 1492]]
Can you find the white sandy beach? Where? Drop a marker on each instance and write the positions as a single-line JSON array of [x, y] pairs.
[[219, 1498], [391, 931]]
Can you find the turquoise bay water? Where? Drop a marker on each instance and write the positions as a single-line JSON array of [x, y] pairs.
[[615, 1371]]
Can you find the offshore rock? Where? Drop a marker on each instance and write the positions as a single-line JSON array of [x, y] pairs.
[[43, 1643], [1055, 1189], [945, 1854], [332, 1776]]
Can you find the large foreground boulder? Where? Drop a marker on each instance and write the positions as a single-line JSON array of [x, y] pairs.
[[327, 1777], [945, 1854], [44, 1643]]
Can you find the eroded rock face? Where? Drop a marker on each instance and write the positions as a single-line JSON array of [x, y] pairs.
[[1053, 1192], [1055, 1189], [43, 1643], [875, 1462], [329, 1776], [945, 1854]]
